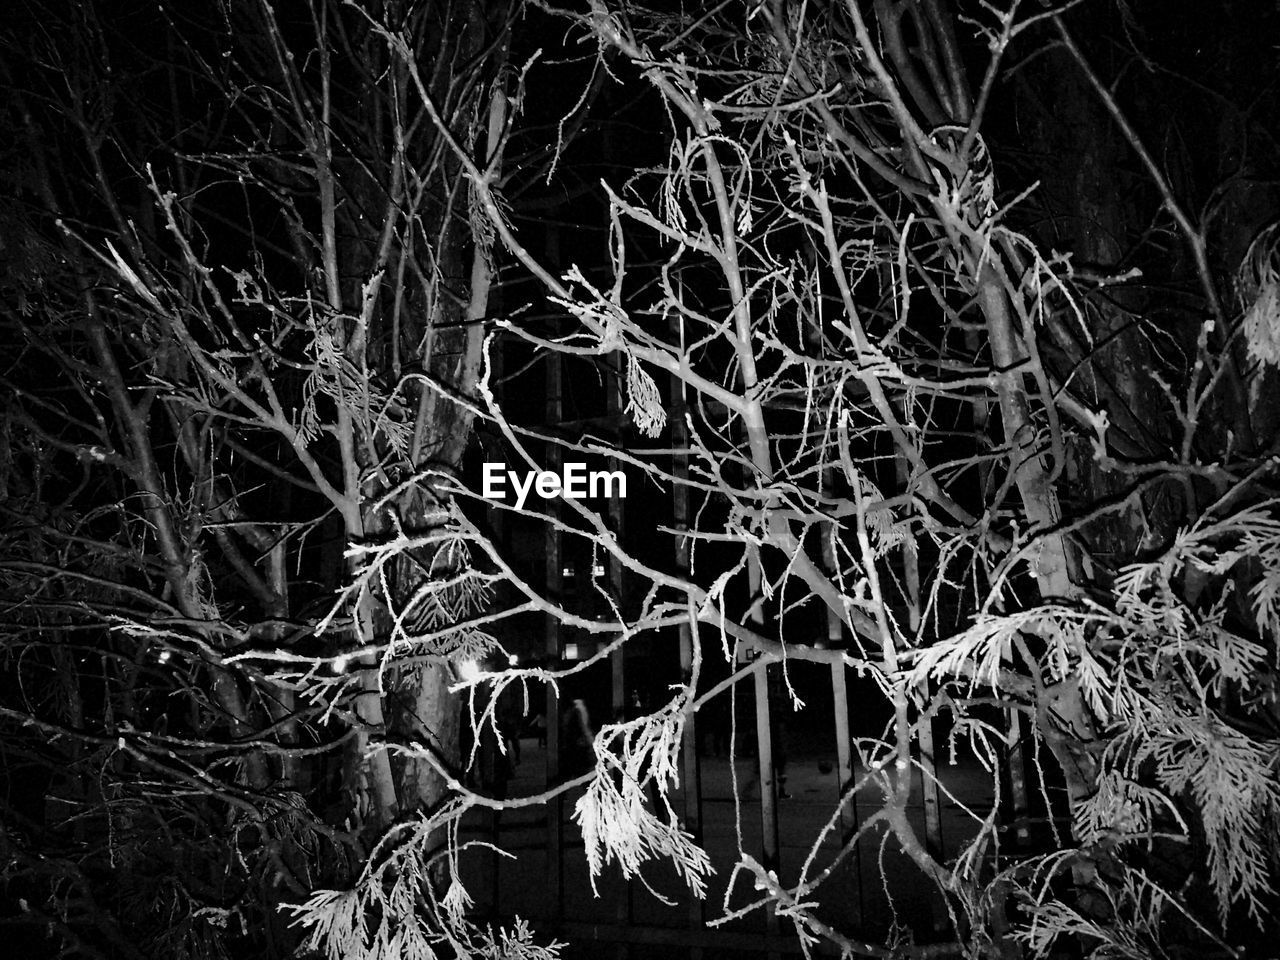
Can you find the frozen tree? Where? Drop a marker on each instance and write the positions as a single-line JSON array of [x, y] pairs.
[[876, 400], [906, 429], [237, 247]]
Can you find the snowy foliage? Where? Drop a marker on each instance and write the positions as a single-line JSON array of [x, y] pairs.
[[1259, 285], [1172, 671], [394, 913], [614, 814], [604, 319]]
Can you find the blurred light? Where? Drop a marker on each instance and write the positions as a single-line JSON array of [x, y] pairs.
[[165, 656], [469, 670], [512, 660], [339, 664], [571, 651], [566, 571], [597, 570]]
